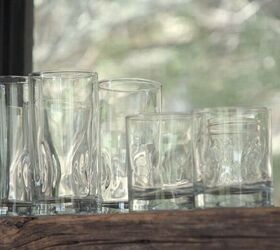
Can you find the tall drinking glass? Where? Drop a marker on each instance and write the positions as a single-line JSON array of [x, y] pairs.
[[233, 157], [66, 139], [15, 146], [119, 98], [160, 161]]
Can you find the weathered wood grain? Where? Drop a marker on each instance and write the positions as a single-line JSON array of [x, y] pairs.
[[202, 229]]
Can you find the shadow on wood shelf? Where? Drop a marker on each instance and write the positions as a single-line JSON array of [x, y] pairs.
[[242, 228]]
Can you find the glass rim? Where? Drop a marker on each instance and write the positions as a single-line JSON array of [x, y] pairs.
[[154, 84], [229, 109], [158, 116], [76, 74], [13, 79]]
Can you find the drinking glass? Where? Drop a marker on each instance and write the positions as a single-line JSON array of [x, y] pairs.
[[66, 139], [119, 98], [232, 152], [160, 161], [15, 142]]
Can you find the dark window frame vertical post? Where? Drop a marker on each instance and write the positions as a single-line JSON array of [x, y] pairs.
[[16, 36]]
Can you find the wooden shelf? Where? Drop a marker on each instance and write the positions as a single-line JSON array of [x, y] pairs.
[[241, 228]]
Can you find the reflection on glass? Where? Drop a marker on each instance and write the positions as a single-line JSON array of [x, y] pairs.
[[66, 120], [233, 157], [160, 161], [15, 149], [119, 98]]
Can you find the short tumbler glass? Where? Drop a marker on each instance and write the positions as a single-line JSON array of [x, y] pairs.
[[66, 140], [160, 172], [15, 146], [232, 152], [119, 98]]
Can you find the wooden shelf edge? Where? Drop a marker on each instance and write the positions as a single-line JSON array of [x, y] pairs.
[[240, 228]]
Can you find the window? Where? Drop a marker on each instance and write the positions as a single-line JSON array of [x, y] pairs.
[[206, 53]]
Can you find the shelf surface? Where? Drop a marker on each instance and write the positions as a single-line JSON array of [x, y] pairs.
[[242, 228]]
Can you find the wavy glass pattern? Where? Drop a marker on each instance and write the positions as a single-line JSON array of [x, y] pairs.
[[160, 162], [66, 119], [233, 157]]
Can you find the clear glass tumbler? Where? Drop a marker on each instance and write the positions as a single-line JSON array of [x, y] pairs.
[[160, 161], [66, 139], [232, 152], [119, 98], [15, 146]]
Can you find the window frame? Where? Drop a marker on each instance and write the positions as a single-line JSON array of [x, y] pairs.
[[16, 36]]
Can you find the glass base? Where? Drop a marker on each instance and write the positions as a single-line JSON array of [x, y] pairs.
[[66, 206], [15, 208], [162, 199], [115, 207], [236, 197]]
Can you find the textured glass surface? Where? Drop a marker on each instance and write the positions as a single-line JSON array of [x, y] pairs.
[[119, 98], [160, 162], [233, 157], [15, 158], [66, 119]]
